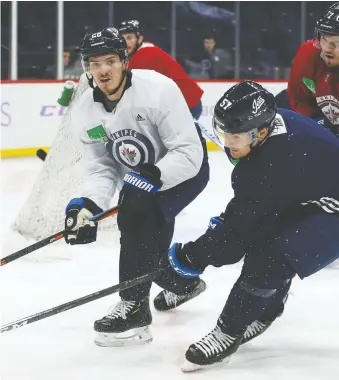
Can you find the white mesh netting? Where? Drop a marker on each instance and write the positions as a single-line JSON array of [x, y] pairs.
[[59, 181]]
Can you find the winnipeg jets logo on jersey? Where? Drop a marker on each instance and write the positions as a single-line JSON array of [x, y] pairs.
[[279, 126], [128, 153], [329, 106], [257, 104], [130, 148]]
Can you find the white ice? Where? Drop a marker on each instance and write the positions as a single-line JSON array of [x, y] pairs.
[[303, 344]]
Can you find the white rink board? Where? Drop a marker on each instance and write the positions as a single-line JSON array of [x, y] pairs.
[[30, 114]]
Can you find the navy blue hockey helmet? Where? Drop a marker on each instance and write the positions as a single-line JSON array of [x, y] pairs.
[[103, 42], [131, 26], [245, 107], [328, 23]]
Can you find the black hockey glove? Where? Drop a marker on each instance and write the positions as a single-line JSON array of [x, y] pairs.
[[137, 204], [78, 212]]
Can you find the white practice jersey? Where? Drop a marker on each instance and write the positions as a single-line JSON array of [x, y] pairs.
[[150, 124]]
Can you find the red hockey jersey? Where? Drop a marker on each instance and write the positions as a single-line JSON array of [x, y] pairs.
[[151, 57], [313, 88]]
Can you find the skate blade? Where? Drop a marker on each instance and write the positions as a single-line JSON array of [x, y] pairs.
[[192, 367], [141, 335]]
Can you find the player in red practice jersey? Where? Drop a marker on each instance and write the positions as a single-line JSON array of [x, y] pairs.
[[313, 87], [145, 55]]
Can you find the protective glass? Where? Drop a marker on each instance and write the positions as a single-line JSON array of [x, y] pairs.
[[233, 140], [104, 64], [237, 140]]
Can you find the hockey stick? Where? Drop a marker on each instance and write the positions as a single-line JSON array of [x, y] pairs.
[[209, 135], [51, 239], [81, 301]]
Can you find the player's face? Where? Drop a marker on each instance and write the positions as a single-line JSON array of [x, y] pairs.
[[131, 41], [67, 58], [239, 144], [329, 45], [209, 44], [106, 71]]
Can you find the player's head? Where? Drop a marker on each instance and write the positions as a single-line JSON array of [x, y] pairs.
[[209, 43], [243, 117], [326, 36], [133, 34], [105, 58]]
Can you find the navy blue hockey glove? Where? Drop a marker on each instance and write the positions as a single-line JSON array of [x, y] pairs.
[[183, 263], [182, 258], [137, 204], [81, 230], [215, 222]]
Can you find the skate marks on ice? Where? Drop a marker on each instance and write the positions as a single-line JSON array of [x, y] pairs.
[[297, 346], [303, 344]]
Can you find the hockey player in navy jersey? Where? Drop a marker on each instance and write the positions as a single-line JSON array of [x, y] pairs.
[[283, 219], [138, 136]]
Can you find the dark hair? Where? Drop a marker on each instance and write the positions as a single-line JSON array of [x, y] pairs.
[[74, 53], [209, 37]]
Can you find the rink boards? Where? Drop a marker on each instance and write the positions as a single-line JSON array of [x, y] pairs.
[[30, 114]]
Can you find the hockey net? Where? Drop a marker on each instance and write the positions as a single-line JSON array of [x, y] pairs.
[[59, 181]]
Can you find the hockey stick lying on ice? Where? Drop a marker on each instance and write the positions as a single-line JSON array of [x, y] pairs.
[[51, 239], [81, 301]]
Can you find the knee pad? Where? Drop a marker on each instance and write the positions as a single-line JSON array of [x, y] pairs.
[[260, 292]]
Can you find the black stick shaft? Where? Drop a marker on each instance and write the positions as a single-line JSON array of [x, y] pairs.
[[51, 239], [25, 251], [80, 301]]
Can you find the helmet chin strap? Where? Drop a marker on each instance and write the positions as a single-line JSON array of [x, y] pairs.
[[255, 134], [90, 80], [138, 44]]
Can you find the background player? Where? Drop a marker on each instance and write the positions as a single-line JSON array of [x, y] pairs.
[[313, 83], [146, 55]]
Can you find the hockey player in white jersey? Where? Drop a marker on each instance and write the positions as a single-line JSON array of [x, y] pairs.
[[137, 135]]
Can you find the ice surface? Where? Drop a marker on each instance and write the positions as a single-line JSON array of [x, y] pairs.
[[303, 344]]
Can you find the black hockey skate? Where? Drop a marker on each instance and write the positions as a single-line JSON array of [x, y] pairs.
[[259, 326], [214, 349], [167, 300], [127, 316]]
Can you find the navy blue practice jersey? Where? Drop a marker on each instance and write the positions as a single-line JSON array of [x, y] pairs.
[[295, 169]]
